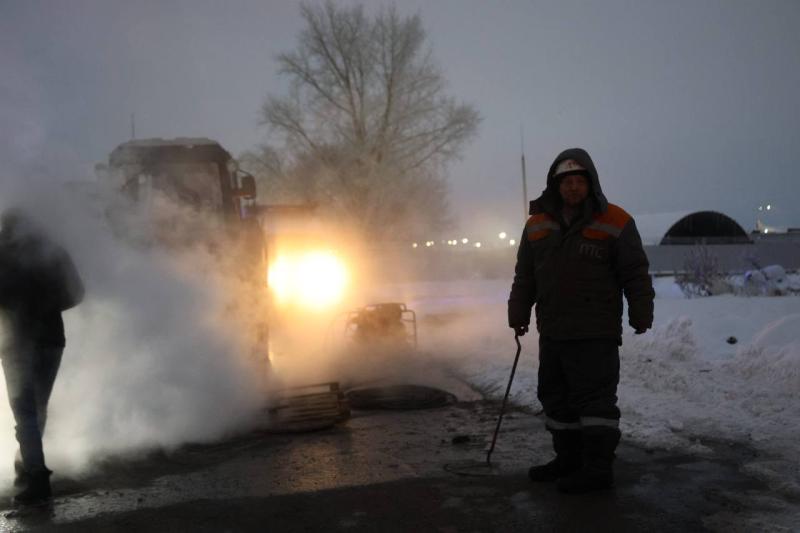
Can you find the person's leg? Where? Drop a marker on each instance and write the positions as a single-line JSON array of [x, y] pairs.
[[20, 384], [45, 370], [12, 372], [20, 374], [562, 421], [592, 370]]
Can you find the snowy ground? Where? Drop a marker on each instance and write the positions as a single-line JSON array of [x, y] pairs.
[[682, 383]]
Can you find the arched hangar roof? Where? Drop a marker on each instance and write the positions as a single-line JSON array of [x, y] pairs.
[[705, 227], [685, 227]]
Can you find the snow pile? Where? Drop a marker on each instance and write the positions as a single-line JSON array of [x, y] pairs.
[[772, 360], [660, 361], [771, 280], [683, 381], [660, 384]]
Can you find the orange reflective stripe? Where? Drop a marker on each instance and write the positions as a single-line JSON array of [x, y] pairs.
[[537, 218], [614, 216], [536, 235], [540, 226], [608, 224]]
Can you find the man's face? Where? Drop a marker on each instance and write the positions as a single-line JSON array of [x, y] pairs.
[[573, 189]]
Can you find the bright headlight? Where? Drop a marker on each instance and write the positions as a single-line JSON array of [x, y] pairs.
[[313, 279]]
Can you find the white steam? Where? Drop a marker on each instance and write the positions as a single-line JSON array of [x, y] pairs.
[[154, 357]]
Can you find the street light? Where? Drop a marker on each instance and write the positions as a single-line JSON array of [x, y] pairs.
[[512, 242], [464, 240], [761, 209], [502, 235]]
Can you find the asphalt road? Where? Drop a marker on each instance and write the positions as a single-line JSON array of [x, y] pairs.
[[385, 471]]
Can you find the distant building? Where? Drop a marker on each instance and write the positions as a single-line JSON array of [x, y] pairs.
[[683, 227], [706, 227], [735, 250]]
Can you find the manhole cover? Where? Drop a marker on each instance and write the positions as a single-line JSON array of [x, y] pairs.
[[399, 397]]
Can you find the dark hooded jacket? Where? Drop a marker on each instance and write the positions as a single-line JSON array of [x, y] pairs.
[[38, 281], [576, 274]]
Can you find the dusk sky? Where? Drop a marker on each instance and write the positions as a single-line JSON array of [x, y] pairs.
[[683, 104]]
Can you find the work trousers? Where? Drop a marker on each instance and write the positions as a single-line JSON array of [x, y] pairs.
[[30, 374], [578, 382]]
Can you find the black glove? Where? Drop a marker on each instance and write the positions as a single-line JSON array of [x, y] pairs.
[[640, 328], [519, 317]]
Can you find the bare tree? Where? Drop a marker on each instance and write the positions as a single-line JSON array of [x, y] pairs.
[[366, 127]]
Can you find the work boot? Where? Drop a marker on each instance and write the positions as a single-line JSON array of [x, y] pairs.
[[599, 443], [567, 445], [37, 489]]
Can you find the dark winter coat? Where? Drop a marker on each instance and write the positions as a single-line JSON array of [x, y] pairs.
[[576, 275], [38, 281]]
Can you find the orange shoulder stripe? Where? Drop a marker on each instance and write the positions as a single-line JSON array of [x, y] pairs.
[[539, 226], [614, 216], [538, 218]]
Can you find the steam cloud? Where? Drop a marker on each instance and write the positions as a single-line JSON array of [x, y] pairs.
[[153, 358], [160, 352]]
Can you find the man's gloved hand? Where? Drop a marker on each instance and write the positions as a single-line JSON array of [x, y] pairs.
[[640, 328], [519, 317]]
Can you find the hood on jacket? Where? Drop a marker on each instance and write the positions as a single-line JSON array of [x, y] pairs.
[[550, 200]]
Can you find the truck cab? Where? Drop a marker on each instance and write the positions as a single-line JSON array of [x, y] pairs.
[[193, 173]]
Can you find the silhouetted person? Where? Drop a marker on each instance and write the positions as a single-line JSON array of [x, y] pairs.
[[38, 281]]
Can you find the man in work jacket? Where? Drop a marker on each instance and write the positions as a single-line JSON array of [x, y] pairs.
[[38, 281], [577, 256]]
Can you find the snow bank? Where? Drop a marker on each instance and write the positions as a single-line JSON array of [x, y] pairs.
[[773, 357]]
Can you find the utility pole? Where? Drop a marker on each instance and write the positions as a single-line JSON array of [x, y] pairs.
[[524, 178]]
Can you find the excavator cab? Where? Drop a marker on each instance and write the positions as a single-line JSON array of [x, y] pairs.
[[195, 171], [164, 177]]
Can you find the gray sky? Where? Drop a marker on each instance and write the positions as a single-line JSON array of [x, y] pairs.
[[684, 105]]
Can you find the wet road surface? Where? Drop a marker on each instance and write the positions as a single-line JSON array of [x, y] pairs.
[[385, 471]]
